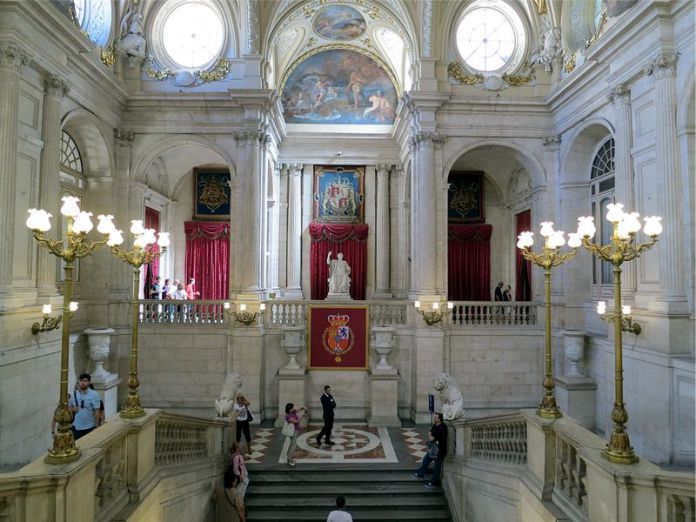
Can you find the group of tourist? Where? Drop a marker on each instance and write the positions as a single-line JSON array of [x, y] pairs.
[[236, 478], [174, 290], [502, 294]]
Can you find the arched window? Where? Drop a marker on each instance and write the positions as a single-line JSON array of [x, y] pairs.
[[394, 48], [491, 37], [72, 183], [94, 17], [601, 194], [70, 156]]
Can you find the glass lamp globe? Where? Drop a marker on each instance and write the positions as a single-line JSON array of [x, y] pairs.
[[71, 207]]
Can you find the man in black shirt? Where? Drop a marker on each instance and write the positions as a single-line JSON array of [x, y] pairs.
[[327, 404], [439, 433]]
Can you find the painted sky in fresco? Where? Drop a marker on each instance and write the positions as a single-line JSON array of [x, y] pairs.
[[339, 87], [339, 22]]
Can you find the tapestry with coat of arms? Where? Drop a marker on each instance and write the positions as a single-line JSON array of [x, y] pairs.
[[211, 194], [339, 194], [465, 197], [338, 337]]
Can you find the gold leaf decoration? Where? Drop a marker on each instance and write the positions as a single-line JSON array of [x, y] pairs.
[[155, 73], [569, 63], [107, 56], [219, 72], [456, 71]]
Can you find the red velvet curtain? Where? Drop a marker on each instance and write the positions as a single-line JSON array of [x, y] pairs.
[[469, 262], [523, 268], [207, 257], [351, 240], [151, 270]]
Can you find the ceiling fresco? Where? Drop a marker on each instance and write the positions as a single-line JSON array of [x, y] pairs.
[[339, 22]]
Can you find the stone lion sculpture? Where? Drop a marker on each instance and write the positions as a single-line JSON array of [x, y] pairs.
[[450, 396], [224, 405]]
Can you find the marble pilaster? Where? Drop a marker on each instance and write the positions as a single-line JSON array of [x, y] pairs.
[[382, 286], [12, 58], [427, 28], [663, 70], [620, 96], [49, 192], [294, 236]]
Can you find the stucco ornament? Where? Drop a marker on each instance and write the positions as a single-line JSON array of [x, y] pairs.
[[551, 48], [225, 404], [450, 396], [132, 43]]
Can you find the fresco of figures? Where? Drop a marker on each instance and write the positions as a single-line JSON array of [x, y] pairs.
[[339, 86], [339, 22]]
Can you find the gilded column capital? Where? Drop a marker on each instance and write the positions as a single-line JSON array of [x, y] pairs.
[[55, 86], [620, 94], [552, 142], [13, 57], [664, 66]]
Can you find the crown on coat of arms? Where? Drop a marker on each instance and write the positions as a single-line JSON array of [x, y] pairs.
[[338, 320]]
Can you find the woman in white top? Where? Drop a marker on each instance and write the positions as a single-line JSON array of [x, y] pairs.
[[244, 417]]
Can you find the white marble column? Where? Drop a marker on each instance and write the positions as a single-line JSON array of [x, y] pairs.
[[120, 285], [620, 96], [282, 226], [49, 191], [423, 214], [382, 287], [294, 237], [663, 70], [427, 27], [253, 252], [11, 60]]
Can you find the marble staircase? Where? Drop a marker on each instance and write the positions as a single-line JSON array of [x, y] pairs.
[[308, 492]]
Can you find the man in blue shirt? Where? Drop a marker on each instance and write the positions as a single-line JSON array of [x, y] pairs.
[[84, 404]]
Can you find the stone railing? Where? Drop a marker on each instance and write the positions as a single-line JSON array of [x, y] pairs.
[[499, 439], [291, 313], [494, 313], [154, 311], [128, 470], [535, 469]]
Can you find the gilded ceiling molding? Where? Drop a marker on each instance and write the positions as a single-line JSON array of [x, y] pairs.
[[107, 55], [491, 82]]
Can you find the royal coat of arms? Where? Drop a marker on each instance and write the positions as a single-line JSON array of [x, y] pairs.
[[338, 339], [212, 193], [339, 194]]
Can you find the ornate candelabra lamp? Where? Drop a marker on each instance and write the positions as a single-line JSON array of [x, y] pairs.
[[622, 247], [627, 322], [434, 314], [51, 323], [74, 246], [137, 257], [549, 257], [243, 315]]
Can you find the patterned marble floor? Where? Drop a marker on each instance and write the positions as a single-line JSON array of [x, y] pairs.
[[356, 443]]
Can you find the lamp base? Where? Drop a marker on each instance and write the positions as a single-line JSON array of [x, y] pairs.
[[64, 457], [619, 450], [132, 413], [548, 409], [63, 450]]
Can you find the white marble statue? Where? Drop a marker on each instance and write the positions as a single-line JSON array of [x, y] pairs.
[[450, 396], [339, 274], [224, 405], [551, 48], [132, 43]]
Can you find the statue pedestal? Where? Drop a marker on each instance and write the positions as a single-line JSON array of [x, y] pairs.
[[576, 398], [107, 388], [384, 398], [338, 297], [291, 388]]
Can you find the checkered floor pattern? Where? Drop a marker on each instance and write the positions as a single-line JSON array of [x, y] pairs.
[[415, 443], [259, 445]]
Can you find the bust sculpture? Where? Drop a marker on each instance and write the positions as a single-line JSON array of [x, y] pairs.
[[132, 44], [224, 405], [450, 396], [339, 274]]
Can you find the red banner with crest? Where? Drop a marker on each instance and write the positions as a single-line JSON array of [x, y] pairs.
[[338, 337]]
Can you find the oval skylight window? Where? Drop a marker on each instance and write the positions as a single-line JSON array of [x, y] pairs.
[[491, 38], [193, 35]]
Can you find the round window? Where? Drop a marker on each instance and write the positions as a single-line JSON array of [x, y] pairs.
[[193, 35], [491, 37]]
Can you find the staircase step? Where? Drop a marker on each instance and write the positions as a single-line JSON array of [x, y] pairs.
[[362, 515], [298, 488], [358, 500]]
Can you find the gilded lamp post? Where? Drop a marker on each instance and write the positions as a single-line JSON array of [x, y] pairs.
[[549, 257], [622, 247], [74, 246], [137, 257]]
